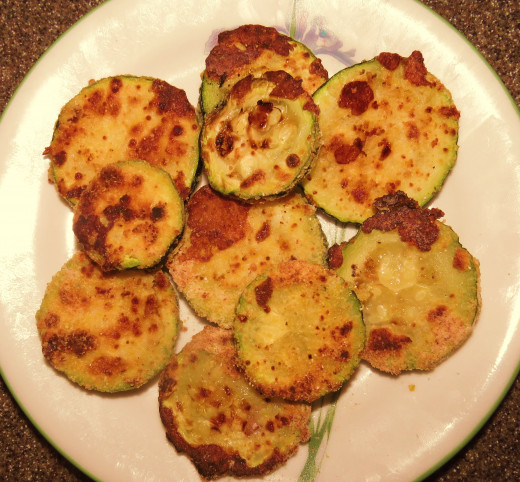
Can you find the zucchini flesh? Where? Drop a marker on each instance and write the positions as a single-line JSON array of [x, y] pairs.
[[387, 124]]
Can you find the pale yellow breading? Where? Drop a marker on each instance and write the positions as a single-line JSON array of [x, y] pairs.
[[387, 124], [121, 118], [226, 244], [129, 215], [211, 413], [299, 331], [108, 332], [420, 302]]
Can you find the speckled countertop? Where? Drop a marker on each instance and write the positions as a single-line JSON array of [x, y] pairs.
[[29, 27]]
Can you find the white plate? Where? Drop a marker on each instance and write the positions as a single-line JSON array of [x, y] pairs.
[[381, 428]]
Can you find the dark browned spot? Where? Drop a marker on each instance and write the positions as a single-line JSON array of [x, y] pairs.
[[415, 225], [216, 223], [382, 339], [258, 117], [335, 256], [356, 96], [461, 260], [415, 70], [256, 177], [263, 292], [225, 140], [437, 313], [346, 153], [389, 60], [264, 232], [292, 161]]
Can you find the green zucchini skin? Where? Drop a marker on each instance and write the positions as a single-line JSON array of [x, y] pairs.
[[418, 286], [387, 124], [299, 331], [124, 117], [252, 50], [129, 216], [263, 140], [206, 402], [108, 333]]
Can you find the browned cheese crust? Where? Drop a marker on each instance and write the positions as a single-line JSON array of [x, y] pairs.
[[224, 426], [121, 118], [226, 244], [107, 332]]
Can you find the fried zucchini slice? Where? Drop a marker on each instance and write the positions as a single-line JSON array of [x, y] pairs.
[[418, 286], [108, 332], [226, 244], [299, 331], [263, 140], [128, 216], [211, 413], [253, 50], [387, 124], [121, 118]]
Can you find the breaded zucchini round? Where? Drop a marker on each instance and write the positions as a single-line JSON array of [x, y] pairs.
[[129, 215], [211, 413], [387, 124], [418, 286], [253, 50], [119, 118], [108, 332], [263, 140], [299, 331], [226, 244]]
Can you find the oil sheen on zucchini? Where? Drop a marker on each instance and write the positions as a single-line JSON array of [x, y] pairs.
[[387, 124], [418, 286], [263, 140]]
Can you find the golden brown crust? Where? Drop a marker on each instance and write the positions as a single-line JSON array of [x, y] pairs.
[[107, 332], [120, 118], [226, 244], [128, 216], [299, 331], [387, 124], [418, 286], [247, 435]]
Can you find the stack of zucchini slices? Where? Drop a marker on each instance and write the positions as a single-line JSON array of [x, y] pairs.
[[289, 318]]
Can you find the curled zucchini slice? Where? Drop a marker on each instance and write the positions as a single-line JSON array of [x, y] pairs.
[[129, 216], [263, 140], [387, 124], [418, 286], [299, 331], [108, 332], [253, 50], [119, 118], [211, 413]]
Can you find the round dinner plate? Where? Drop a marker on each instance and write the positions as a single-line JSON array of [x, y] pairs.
[[378, 427]]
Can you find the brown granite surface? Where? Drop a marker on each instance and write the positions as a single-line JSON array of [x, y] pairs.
[[29, 27]]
